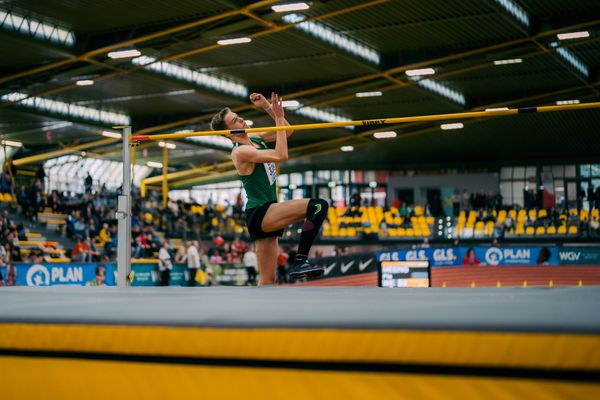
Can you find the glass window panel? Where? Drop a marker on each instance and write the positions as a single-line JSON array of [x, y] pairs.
[[298, 194], [595, 170], [283, 179], [570, 171], [296, 178], [519, 173], [558, 171], [308, 177], [323, 176], [585, 170], [531, 172], [506, 192], [518, 188], [506, 173]]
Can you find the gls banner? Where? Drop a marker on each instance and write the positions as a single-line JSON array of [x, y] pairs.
[[453, 256], [579, 255], [347, 265]]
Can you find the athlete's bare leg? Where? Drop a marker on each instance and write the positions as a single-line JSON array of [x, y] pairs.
[[266, 255], [280, 215]]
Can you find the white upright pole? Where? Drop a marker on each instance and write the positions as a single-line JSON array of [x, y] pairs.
[[124, 216]]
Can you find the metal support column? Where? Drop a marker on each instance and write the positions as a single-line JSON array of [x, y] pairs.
[[124, 216], [165, 171]]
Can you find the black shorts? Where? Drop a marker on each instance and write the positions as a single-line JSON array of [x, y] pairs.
[[254, 218]]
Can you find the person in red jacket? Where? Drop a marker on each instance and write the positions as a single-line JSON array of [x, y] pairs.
[[470, 259]]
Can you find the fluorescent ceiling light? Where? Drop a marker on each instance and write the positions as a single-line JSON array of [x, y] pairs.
[[189, 75], [515, 10], [385, 135], [226, 42], [290, 7], [369, 94], [36, 28], [171, 146], [290, 103], [84, 82], [573, 35], [330, 36], [442, 90], [456, 125], [497, 109], [509, 61], [564, 102], [12, 143], [419, 72], [124, 54], [347, 148], [572, 59], [114, 135], [320, 115], [218, 141], [249, 122], [154, 164], [62, 108]]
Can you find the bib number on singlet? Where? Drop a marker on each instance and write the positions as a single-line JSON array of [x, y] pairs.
[[271, 172]]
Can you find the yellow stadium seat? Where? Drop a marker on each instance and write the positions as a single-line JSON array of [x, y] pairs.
[[351, 232], [562, 230], [520, 230], [430, 220], [530, 230], [584, 215], [410, 232], [543, 213], [502, 216], [540, 230], [532, 214], [573, 211], [513, 214], [393, 232], [418, 211], [572, 230], [551, 230], [479, 228], [489, 228], [595, 213]]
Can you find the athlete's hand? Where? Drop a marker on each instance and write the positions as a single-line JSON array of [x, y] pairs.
[[277, 107], [259, 100]]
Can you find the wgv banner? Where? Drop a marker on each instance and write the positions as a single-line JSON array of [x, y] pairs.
[[579, 255], [456, 256]]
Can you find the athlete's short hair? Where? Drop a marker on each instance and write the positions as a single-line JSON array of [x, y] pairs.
[[217, 123]]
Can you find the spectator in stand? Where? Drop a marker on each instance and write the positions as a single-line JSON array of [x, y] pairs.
[[36, 199], [251, 264], [215, 257], [456, 203], [181, 254], [80, 252], [80, 228], [470, 259], [88, 182], [465, 200], [282, 261], [193, 262], [594, 226], [164, 264], [104, 235], [24, 202]]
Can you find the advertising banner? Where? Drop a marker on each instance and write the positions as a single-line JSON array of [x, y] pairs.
[[456, 256], [579, 255], [347, 265]]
